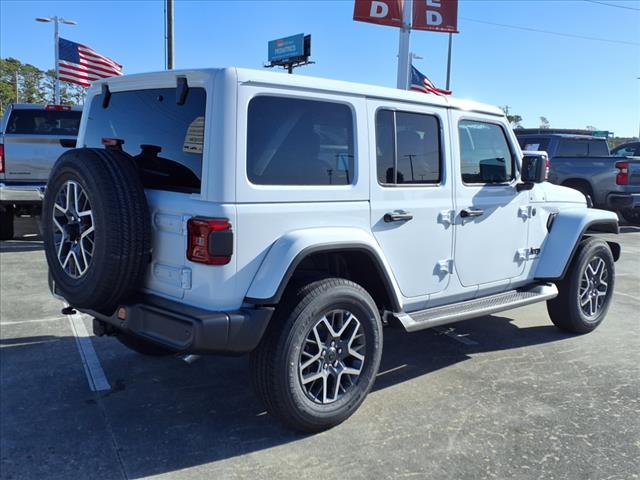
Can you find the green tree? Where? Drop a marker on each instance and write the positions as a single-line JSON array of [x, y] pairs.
[[26, 83], [544, 123], [514, 120]]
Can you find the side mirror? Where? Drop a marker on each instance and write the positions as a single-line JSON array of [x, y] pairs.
[[534, 167]]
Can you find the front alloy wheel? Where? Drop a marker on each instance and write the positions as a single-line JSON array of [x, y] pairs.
[[593, 288], [585, 293]]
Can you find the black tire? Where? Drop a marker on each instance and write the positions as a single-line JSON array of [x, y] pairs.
[[122, 231], [6, 223], [142, 346], [275, 363], [565, 310], [631, 215]]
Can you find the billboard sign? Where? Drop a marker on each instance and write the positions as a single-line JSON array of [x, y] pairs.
[[435, 15], [286, 48], [382, 12]]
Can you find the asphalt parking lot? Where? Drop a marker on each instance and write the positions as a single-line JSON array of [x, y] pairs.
[[506, 396]]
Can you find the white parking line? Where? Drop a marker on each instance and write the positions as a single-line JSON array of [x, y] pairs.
[[95, 374], [20, 322], [450, 332]]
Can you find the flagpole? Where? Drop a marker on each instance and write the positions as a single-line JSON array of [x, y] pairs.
[[449, 63], [56, 42], [404, 61]]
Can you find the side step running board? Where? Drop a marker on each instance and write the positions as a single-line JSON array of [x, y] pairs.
[[432, 317]]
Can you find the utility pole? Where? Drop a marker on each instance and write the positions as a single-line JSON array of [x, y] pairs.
[[56, 41], [169, 34], [449, 63], [404, 60]]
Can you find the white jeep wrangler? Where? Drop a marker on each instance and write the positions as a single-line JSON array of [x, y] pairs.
[[231, 211]]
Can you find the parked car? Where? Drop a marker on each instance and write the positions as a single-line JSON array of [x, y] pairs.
[[232, 211], [32, 137], [631, 149], [584, 163]]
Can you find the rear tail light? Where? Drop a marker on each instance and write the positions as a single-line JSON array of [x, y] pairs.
[[210, 241], [623, 175], [1, 158], [58, 108], [548, 167]]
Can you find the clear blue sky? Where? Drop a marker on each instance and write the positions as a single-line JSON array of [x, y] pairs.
[[573, 82]]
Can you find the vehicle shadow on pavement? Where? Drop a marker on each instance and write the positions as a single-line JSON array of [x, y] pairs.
[[164, 415], [26, 237]]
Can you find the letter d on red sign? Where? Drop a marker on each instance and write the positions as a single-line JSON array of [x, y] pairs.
[[382, 12], [436, 15]]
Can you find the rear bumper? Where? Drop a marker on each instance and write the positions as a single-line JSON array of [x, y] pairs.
[[22, 193], [623, 200], [187, 329]]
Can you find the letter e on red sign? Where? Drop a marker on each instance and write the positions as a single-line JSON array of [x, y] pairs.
[[382, 12], [436, 15]]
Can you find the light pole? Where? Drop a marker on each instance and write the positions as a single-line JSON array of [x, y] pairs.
[[56, 21]]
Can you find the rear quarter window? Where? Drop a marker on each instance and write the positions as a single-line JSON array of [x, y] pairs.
[[534, 144], [43, 122], [292, 141], [164, 138]]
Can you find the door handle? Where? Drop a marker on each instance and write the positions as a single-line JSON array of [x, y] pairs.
[[397, 216], [471, 212]]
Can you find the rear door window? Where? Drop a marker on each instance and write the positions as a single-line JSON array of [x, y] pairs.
[[534, 144], [44, 122], [598, 148], [292, 141], [407, 148], [164, 138]]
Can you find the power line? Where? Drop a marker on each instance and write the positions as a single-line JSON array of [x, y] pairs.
[[613, 5], [549, 32]]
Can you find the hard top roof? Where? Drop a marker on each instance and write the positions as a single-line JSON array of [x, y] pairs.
[[248, 76]]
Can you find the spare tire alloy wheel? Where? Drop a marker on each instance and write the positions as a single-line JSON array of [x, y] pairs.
[[73, 229], [332, 357], [593, 288]]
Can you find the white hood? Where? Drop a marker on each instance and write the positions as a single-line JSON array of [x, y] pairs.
[[548, 192]]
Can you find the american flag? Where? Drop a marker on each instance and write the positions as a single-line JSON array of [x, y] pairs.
[[420, 83], [82, 65]]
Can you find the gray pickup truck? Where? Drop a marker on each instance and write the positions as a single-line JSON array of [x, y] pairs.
[[32, 137], [583, 162]]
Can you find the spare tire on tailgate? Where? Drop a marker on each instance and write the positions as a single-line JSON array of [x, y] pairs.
[[96, 228]]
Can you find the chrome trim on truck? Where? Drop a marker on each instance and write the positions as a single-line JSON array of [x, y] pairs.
[[21, 193]]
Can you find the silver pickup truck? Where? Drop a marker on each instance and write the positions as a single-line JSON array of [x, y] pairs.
[[584, 163], [32, 137]]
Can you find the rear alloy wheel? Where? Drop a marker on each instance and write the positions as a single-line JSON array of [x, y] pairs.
[[586, 291], [320, 355], [332, 357], [96, 228], [73, 229]]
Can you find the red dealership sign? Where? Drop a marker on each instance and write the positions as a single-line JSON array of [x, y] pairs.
[[383, 12], [436, 15]]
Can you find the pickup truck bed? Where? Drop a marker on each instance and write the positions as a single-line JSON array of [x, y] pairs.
[[584, 163]]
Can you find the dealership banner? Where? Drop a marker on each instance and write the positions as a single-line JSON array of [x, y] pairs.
[[382, 12], [435, 15]]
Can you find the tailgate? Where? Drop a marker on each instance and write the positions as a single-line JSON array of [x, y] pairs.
[[29, 158], [634, 172]]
